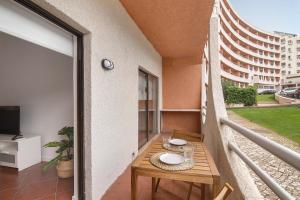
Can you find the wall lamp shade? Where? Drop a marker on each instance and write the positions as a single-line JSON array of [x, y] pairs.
[[107, 64]]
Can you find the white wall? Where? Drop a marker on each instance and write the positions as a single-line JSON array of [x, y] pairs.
[[111, 101], [41, 82]]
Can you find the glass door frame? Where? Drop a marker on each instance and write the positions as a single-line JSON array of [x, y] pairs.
[[147, 73]]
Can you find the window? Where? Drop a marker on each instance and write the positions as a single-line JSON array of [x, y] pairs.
[[298, 71], [148, 107], [289, 72], [290, 50], [298, 49], [290, 42], [298, 57], [298, 64], [282, 41], [283, 64], [298, 41], [283, 72], [289, 65]]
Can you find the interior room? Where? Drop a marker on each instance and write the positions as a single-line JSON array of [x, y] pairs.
[[36, 101]]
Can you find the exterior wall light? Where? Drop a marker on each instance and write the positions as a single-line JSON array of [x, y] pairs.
[[107, 64]]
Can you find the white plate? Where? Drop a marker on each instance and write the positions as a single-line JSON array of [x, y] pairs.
[[178, 142], [171, 158]]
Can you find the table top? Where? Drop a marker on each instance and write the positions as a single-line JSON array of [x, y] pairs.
[[204, 170]]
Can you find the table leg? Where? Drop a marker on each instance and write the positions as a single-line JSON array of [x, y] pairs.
[[215, 190], [202, 191], [153, 187], [133, 184]]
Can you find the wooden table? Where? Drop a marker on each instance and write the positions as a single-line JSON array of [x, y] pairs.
[[204, 171]]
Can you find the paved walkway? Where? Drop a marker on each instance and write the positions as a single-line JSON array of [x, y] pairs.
[[286, 176]]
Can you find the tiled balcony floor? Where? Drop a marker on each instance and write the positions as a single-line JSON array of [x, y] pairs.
[[34, 184], [168, 190]]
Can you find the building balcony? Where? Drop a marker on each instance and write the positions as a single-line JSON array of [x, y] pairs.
[[246, 31], [248, 42]]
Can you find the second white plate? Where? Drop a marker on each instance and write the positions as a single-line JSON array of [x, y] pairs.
[[178, 142]]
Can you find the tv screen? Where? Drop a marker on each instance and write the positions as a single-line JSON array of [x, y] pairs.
[[10, 120]]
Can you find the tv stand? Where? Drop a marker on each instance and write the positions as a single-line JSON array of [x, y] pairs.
[[20, 153]]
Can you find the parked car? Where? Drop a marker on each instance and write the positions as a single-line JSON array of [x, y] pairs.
[[289, 92], [266, 91], [297, 93]]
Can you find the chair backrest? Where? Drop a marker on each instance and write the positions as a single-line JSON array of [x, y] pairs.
[[196, 137], [225, 192]]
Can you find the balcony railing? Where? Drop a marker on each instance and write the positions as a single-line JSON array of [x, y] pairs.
[[282, 152]]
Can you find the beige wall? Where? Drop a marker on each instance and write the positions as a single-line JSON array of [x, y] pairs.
[[111, 97]]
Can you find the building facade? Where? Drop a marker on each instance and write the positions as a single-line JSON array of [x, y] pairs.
[[290, 59], [248, 55]]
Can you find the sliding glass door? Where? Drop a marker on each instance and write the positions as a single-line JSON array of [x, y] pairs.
[[148, 107]]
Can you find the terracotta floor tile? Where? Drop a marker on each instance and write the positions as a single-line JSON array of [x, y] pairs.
[[64, 196], [65, 184], [37, 190], [33, 184], [8, 194]]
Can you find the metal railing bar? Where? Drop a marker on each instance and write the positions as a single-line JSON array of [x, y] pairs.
[[284, 153], [268, 180]]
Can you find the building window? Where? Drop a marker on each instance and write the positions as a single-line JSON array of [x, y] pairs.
[[290, 42], [289, 72], [282, 41], [298, 41], [298, 57], [283, 72], [282, 64], [298, 71], [298, 64], [298, 49]]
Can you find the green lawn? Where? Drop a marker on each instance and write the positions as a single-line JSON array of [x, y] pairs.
[[283, 120], [265, 98]]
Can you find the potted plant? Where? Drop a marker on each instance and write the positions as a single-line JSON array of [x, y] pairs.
[[64, 159]]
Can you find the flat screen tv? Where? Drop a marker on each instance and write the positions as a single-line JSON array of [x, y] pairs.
[[10, 120]]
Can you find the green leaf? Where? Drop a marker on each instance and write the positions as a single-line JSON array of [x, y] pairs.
[[53, 144], [52, 162]]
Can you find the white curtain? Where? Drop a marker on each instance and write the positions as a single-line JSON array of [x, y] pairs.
[[23, 23]]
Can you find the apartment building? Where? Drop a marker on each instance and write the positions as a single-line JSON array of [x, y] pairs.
[[249, 56], [290, 59]]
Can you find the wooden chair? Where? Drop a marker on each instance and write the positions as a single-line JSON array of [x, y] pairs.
[[189, 136], [225, 192]]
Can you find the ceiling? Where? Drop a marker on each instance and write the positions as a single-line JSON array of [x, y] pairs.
[[176, 28]]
